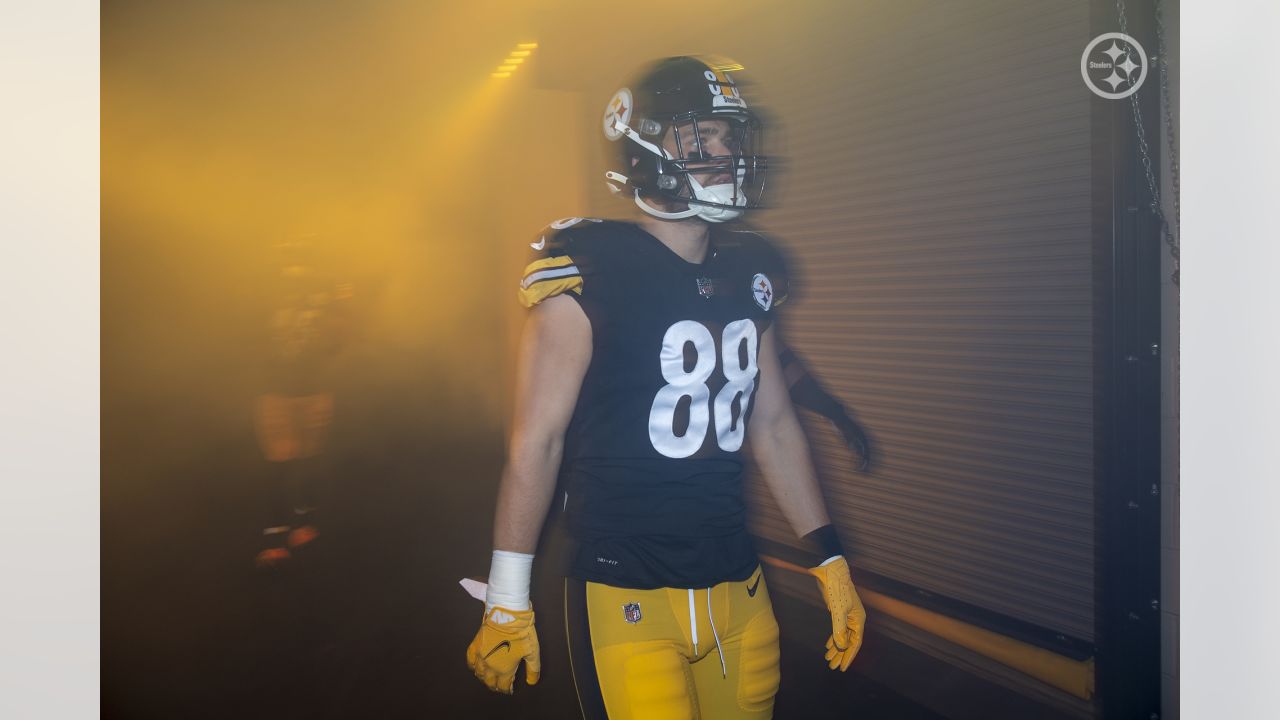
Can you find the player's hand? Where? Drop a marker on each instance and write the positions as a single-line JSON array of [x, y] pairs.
[[506, 637], [847, 614], [856, 439]]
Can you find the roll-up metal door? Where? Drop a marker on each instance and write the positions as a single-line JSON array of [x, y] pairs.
[[937, 214]]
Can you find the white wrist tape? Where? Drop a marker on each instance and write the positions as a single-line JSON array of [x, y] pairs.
[[509, 580]]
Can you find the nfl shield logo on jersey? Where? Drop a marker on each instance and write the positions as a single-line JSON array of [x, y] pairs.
[[706, 288], [762, 289], [631, 612]]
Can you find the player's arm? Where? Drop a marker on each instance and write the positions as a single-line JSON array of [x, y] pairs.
[[555, 350], [779, 448], [808, 392]]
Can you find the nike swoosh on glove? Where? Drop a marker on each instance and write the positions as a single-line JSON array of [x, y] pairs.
[[848, 618], [505, 638]]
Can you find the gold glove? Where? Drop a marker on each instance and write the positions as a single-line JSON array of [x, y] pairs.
[[848, 617], [505, 638]]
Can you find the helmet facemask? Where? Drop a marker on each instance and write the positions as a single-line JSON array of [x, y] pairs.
[[710, 165]]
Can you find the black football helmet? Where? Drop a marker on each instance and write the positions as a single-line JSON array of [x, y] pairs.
[[685, 134]]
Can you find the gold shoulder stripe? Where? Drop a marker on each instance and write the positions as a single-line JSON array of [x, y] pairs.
[[549, 277], [547, 263]]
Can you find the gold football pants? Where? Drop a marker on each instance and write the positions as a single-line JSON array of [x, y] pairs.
[[673, 654]]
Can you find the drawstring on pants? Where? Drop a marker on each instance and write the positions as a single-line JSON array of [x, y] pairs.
[[724, 671], [693, 622], [693, 629]]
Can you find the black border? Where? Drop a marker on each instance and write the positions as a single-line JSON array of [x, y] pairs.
[[1127, 255]]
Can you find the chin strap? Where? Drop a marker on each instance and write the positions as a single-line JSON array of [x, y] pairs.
[[612, 177], [725, 196], [693, 210]]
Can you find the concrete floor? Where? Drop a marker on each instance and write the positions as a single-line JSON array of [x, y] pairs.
[[369, 623]]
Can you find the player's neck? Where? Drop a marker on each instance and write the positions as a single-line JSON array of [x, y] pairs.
[[687, 238]]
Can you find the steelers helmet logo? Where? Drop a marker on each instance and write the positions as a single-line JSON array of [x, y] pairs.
[[617, 113], [762, 289]]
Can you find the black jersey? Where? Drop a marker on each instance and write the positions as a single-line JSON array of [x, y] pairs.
[[652, 462]]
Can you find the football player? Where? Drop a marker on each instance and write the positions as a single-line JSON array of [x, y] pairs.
[[293, 415], [649, 357]]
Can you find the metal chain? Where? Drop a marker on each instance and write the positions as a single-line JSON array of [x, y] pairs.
[[1157, 207], [1171, 138]]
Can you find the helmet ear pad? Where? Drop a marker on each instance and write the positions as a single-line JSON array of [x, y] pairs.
[[647, 174], [645, 165]]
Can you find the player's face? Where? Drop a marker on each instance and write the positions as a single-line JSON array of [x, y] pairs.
[[710, 138]]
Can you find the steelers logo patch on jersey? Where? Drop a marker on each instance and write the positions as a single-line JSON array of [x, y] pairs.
[[762, 289]]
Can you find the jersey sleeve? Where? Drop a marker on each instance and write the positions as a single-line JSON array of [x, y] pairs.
[[782, 282], [557, 264], [774, 261]]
